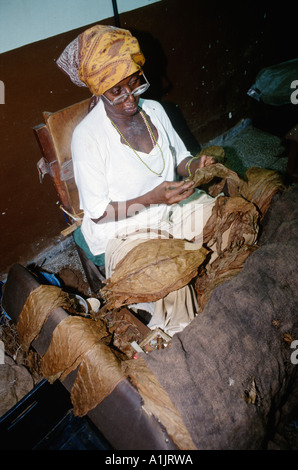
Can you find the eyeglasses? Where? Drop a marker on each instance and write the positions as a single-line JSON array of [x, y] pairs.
[[136, 92]]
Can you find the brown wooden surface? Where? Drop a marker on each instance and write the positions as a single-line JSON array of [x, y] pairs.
[[47, 150]]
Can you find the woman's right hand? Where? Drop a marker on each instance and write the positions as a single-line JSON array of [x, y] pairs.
[[171, 192], [168, 192]]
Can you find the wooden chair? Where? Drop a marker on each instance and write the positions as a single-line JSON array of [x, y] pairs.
[[54, 138]]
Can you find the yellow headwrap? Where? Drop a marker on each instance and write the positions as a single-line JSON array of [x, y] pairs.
[[107, 55]]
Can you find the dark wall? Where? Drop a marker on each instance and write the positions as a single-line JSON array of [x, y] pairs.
[[202, 57]]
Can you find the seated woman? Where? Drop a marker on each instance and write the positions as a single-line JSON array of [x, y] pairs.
[[126, 158]]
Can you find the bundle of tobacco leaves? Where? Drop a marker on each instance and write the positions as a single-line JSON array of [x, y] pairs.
[[223, 176], [125, 328], [221, 270], [234, 223], [234, 217], [151, 270], [261, 186]]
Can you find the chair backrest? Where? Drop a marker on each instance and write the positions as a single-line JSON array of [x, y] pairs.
[[54, 138]]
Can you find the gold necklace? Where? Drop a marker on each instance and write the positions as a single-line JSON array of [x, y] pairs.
[[153, 140]]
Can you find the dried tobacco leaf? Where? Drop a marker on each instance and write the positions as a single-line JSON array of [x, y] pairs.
[[125, 328], [151, 270], [234, 220], [72, 338], [157, 401], [220, 271], [262, 185], [99, 373], [259, 186], [206, 174], [39, 304], [235, 214]]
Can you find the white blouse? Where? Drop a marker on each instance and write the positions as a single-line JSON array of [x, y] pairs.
[[106, 170]]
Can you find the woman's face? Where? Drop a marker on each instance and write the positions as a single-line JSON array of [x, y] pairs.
[[129, 105]]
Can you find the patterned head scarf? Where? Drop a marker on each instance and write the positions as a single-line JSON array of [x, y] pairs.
[[101, 57]]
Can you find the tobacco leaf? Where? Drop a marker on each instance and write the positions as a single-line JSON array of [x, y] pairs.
[[39, 304], [72, 338], [125, 328], [221, 270], [157, 401], [151, 270], [262, 185], [99, 373], [206, 174], [259, 185], [235, 214]]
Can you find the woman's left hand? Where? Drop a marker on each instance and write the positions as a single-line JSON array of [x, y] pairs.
[[205, 160], [188, 166]]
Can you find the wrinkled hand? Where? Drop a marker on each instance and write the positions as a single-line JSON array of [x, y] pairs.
[[172, 192]]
